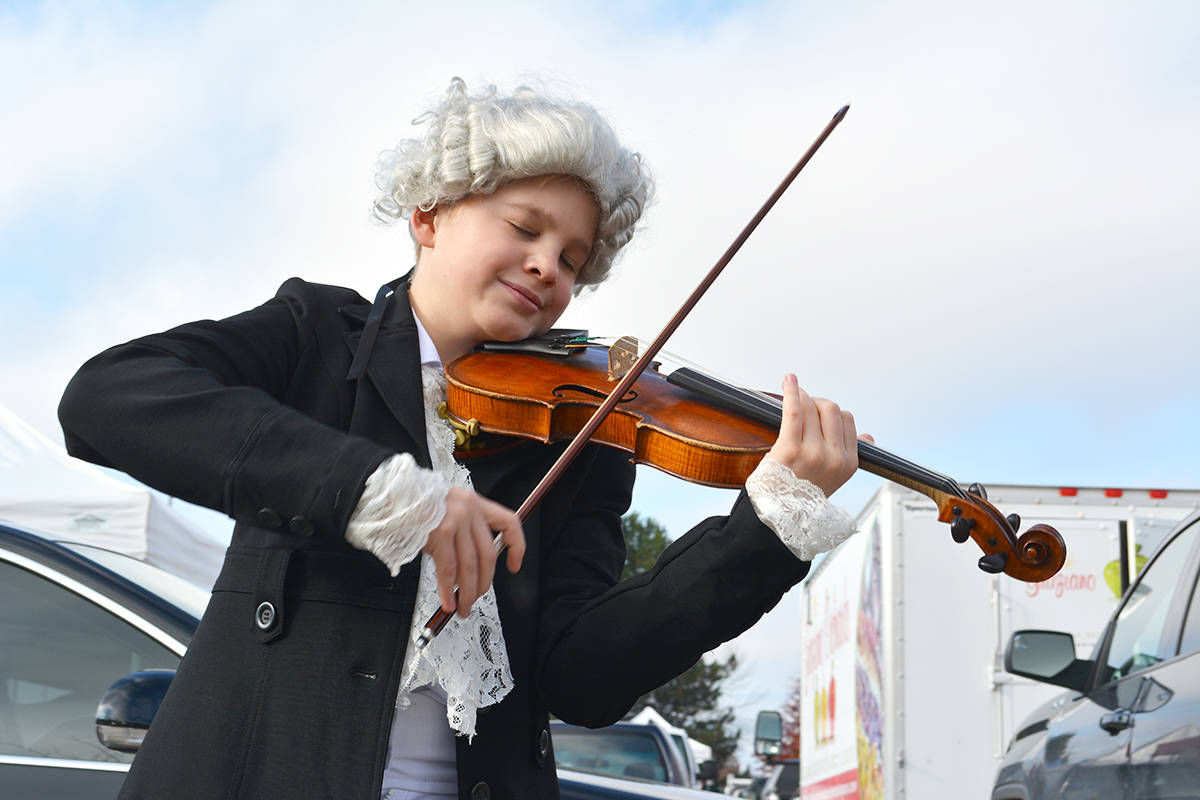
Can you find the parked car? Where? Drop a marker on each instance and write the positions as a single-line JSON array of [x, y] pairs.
[[784, 781], [76, 620], [751, 791], [73, 619], [575, 785], [695, 754], [1129, 724], [627, 750]]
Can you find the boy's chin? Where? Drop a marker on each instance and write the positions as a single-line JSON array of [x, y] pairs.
[[508, 332]]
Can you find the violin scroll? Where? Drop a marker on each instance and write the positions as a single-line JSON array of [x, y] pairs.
[[1042, 547], [1033, 557]]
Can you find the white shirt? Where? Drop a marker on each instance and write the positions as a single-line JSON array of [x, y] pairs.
[[421, 759]]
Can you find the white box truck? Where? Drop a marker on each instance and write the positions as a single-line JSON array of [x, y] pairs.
[[903, 688]]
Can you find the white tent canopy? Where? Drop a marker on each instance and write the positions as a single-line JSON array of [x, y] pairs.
[[44, 489]]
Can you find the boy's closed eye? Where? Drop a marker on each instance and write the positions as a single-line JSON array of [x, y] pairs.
[[529, 232]]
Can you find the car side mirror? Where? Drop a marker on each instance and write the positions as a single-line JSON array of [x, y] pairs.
[[128, 707], [708, 770], [768, 734], [1048, 657]]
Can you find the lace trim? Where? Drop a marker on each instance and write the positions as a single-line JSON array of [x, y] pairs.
[[400, 504], [468, 659], [797, 510]]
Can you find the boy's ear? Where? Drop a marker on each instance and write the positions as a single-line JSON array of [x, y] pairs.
[[424, 226]]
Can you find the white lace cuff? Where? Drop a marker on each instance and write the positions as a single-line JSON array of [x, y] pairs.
[[797, 510], [400, 504]]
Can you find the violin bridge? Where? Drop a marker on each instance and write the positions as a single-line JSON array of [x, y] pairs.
[[622, 355], [464, 432]]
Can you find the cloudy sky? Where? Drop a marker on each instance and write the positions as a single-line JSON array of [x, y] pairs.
[[992, 262]]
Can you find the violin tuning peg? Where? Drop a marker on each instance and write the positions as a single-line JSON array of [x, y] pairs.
[[960, 529], [977, 490], [993, 563], [1014, 520]]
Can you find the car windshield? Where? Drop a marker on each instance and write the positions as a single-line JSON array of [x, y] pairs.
[[626, 754], [1138, 632], [175, 590]]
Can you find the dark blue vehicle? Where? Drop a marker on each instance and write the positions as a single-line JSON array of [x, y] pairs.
[[623, 750], [76, 619], [1129, 724]]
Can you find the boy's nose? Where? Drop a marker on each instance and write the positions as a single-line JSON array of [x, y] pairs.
[[545, 267]]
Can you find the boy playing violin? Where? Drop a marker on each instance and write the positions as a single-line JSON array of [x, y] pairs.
[[311, 420]]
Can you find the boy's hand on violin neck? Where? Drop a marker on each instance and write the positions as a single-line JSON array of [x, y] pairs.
[[463, 549], [817, 439]]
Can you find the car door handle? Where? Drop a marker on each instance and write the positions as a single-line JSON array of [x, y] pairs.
[[1117, 721]]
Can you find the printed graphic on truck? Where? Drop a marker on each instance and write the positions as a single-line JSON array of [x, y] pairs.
[[868, 672], [841, 754]]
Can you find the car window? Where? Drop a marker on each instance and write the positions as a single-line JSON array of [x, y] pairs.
[[1191, 626], [1138, 631], [58, 655], [628, 754], [681, 745]]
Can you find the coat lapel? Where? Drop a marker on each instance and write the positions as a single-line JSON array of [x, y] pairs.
[[394, 370]]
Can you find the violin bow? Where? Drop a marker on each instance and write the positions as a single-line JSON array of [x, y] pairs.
[[439, 620]]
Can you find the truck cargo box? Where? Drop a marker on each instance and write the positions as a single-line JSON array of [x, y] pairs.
[[903, 688]]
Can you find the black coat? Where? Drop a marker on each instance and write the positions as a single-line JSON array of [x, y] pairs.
[[254, 416]]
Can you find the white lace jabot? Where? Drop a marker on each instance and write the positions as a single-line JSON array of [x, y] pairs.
[[400, 504]]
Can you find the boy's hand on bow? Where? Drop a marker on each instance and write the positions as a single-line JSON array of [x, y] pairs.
[[463, 550]]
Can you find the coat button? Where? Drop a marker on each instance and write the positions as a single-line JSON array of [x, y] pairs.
[[481, 791], [300, 526], [267, 518], [264, 616], [543, 743]]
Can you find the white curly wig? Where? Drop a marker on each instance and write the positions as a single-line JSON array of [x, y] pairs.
[[476, 144]]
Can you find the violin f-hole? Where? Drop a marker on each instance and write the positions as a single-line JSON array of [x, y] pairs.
[[561, 390]]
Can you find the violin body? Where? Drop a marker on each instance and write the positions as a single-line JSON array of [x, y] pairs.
[[697, 435], [657, 422]]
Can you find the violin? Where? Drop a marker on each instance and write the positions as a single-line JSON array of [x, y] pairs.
[[699, 428], [719, 432]]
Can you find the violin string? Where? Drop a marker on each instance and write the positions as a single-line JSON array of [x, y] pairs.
[[622, 345]]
